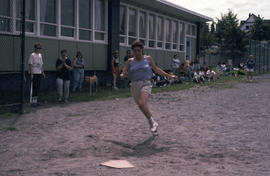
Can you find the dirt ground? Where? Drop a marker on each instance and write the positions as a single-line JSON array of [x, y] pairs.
[[203, 131]]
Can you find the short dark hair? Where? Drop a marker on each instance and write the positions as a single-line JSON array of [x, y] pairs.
[[175, 55], [115, 52], [137, 43], [63, 51], [37, 45], [79, 54]]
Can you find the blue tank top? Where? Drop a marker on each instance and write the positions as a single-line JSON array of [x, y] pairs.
[[140, 70]]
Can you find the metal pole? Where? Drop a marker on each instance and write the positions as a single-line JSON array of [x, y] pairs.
[[255, 54], [259, 56], [267, 57], [263, 57], [22, 56]]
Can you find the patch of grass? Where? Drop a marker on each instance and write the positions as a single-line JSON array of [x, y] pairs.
[[109, 94], [7, 115], [11, 129], [50, 98]]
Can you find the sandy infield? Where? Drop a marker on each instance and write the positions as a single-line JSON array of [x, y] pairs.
[[203, 131]]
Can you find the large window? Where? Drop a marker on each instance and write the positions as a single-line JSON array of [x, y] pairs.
[[182, 36], [168, 33], [132, 26], [100, 20], [175, 34], [85, 17], [142, 27], [5, 15], [48, 17], [152, 30], [67, 18], [29, 15], [160, 32], [123, 31]]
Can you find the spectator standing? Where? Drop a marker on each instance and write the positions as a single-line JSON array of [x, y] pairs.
[[78, 72], [115, 67], [175, 64], [129, 55], [36, 71], [63, 67], [250, 67]]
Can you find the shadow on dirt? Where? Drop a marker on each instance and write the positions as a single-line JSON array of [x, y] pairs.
[[144, 149]]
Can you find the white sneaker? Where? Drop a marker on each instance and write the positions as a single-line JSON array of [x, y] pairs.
[[153, 125], [115, 88]]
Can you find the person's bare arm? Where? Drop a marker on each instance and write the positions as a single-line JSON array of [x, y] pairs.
[[112, 64], [125, 69], [31, 71]]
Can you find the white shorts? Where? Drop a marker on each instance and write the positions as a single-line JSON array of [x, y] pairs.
[[250, 69], [140, 86]]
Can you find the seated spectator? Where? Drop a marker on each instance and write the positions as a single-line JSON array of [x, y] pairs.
[[211, 75], [219, 68], [204, 67], [196, 77], [192, 69], [202, 75], [181, 69]]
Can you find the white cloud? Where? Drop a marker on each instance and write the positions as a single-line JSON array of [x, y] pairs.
[[214, 8]]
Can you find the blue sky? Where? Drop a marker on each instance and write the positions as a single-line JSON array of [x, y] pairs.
[[214, 8]]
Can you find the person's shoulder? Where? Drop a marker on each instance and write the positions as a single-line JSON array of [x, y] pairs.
[[32, 54], [148, 57]]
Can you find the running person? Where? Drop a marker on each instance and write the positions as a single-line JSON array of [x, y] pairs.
[[139, 68]]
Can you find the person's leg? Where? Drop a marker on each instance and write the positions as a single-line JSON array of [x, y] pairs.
[[143, 105], [76, 77], [81, 79], [66, 89], [251, 75], [114, 80], [38, 78], [59, 83], [34, 95]]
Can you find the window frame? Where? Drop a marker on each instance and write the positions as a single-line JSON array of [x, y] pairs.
[[156, 15], [9, 18]]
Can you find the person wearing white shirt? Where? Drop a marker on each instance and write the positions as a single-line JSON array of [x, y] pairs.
[[175, 64], [36, 71]]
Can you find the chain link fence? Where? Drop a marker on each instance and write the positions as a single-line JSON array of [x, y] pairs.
[[259, 49], [261, 52]]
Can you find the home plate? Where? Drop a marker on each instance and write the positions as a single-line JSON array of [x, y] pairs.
[[119, 164]]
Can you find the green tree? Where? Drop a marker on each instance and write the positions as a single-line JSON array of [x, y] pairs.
[[231, 39], [204, 33], [206, 36], [258, 31]]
